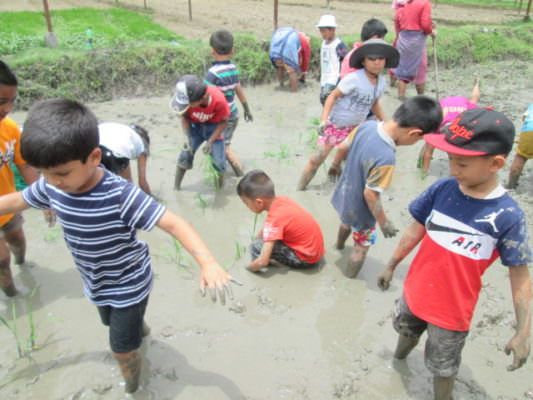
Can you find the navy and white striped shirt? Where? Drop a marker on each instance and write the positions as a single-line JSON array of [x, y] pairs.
[[225, 75], [100, 228]]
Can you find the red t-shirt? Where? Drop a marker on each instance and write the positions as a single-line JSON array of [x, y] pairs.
[[414, 16], [216, 110], [296, 228]]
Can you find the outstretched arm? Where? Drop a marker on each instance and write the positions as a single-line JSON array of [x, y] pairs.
[[412, 236], [520, 343], [29, 173], [242, 98], [373, 200], [378, 110], [12, 203], [330, 101], [212, 275]]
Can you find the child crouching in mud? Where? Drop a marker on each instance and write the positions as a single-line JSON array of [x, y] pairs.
[[100, 214], [290, 236], [464, 224]]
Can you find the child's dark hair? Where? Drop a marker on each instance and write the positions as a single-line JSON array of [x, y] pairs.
[[143, 133], [373, 27], [58, 131], [421, 112], [222, 42], [256, 184], [7, 77]]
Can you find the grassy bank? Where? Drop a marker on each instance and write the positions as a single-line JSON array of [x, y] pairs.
[[133, 55]]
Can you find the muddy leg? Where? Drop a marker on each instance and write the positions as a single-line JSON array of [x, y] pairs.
[[280, 71], [6, 278], [130, 366], [17, 244], [234, 162], [180, 172], [515, 171], [443, 387], [420, 89], [402, 86], [356, 261], [293, 80], [340, 155], [404, 346], [313, 165], [344, 233]]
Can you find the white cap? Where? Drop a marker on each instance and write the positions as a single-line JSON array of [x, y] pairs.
[[327, 21]]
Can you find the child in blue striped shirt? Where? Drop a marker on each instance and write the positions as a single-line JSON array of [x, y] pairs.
[[225, 75], [100, 214]]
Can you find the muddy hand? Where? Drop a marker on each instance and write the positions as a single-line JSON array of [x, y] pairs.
[[50, 217], [321, 128], [247, 114], [520, 347], [384, 278], [388, 229], [207, 148]]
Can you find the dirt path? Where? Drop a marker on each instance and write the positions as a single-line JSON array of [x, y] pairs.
[[255, 16], [288, 335]]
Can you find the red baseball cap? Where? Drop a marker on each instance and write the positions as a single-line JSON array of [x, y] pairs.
[[475, 132]]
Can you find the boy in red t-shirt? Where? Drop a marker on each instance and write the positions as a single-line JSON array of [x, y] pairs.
[[290, 236], [204, 116], [463, 224]]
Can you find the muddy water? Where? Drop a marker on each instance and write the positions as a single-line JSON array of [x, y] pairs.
[[288, 334]]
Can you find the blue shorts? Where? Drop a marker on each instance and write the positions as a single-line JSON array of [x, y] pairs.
[[199, 134]]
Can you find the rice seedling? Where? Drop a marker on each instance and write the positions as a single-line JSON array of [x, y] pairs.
[[256, 217], [24, 346], [202, 203], [240, 251], [52, 234], [211, 175], [282, 154]]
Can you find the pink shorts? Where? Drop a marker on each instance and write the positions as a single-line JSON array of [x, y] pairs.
[[334, 135], [366, 237]]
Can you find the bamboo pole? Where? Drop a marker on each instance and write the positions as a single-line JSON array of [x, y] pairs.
[[190, 10], [276, 14], [527, 17]]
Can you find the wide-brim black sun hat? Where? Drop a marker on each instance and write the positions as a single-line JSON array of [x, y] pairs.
[[375, 47]]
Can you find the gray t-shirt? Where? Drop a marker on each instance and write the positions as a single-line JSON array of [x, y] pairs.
[[359, 96], [370, 164]]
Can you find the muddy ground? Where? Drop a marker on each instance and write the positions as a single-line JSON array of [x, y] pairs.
[[288, 334], [256, 16]]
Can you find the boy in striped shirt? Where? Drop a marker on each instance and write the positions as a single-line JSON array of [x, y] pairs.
[[225, 75], [100, 214]]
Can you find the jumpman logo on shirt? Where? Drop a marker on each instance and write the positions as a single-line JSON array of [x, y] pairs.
[[491, 218]]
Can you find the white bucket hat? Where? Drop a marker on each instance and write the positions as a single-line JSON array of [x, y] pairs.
[[327, 21]]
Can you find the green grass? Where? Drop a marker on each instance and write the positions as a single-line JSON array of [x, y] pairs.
[[25, 30]]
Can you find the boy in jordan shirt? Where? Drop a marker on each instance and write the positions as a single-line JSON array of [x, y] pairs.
[[465, 223], [204, 116]]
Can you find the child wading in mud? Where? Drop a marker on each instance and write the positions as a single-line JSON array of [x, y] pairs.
[[524, 151], [121, 143], [332, 52], [100, 214], [464, 224], [368, 172], [11, 232], [225, 75], [451, 106], [290, 236], [204, 117], [350, 102]]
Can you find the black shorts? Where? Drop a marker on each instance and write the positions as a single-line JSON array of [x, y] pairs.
[[125, 325], [442, 354]]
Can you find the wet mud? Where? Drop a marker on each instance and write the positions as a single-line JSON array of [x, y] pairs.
[[288, 334]]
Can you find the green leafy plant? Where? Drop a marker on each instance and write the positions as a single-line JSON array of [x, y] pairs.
[[282, 154], [211, 175]]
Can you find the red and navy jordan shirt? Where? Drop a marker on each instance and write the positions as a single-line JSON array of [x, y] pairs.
[[464, 236]]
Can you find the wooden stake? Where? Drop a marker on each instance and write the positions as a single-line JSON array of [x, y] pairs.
[[276, 14], [527, 17], [145, 6], [47, 16], [190, 10]]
